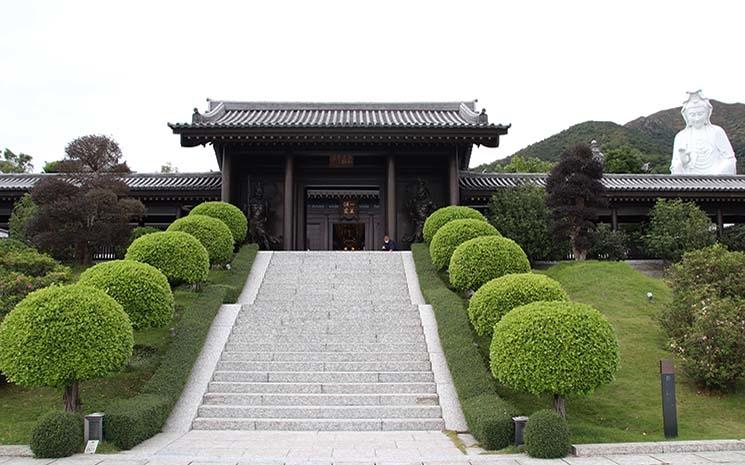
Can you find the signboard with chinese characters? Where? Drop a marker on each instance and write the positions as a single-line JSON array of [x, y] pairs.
[[349, 208], [341, 161]]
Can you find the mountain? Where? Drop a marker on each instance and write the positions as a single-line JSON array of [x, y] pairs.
[[652, 135]]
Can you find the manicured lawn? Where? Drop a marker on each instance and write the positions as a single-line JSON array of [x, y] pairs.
[[630, 408], [20, 407]]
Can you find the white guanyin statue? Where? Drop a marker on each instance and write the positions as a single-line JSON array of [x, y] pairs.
[[701, 148]]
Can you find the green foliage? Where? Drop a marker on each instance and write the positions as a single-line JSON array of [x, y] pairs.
[[482, 259], [140, 231], [497, 297], [560, 348], [453, 234], [12, 163], [211, 232], [704, 322], [734, 237], [57, 434], [24, 270], [623, 159], [141, 289], [62, 334], [130, 421], [521, 214], [178, 255], [23, 210], [547, 435], [446, 214], [229, 214], [608, 244], [488, 416], [521, 164], [677, 227]]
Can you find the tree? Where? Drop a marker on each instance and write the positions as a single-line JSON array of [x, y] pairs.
[[52, 166], [524, 164], [88, 208], [521, 214], [574, 192], [623, 159], [12, 163], [61, 335], [558, 348], [23, 210], [677, 227], [168, 168]]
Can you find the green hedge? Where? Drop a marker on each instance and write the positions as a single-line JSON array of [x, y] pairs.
[[229, 214], [212, 233], [547, 435], [453, 234], [478, 261], [178, 255], [57, 434], [445, 215], [131, 421], [497, 297], [489, 417]]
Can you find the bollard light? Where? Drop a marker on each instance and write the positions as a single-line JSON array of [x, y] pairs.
[[649, 296], [520, 423], [93, 429]]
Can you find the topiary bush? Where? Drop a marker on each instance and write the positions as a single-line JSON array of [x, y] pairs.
[[229, 214], [29, 262], [57, 434], [496, 298], [60, 335], [453, 234], [141, 289], [211, 232], [445, 215], [547, 435], [178, 255], [559, 348], [482, 259]]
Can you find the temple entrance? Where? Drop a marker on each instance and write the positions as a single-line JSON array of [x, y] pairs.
[[348, 236], [343, 218]]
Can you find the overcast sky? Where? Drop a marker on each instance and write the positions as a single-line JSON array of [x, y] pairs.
[[127, 68]]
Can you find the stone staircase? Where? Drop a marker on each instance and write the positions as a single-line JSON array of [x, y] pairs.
[[332, 342]]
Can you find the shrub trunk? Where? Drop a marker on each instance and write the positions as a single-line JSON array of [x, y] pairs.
[[71, 397], [560, 405]]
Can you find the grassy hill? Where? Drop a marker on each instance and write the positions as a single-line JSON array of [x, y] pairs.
[[652, 135]]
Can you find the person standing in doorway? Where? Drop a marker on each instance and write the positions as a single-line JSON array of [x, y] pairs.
[[388, 243]]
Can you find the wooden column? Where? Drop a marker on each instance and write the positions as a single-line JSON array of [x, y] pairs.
[[390, 197], [226, 174], [289, 210], [453, 175], [614, 218]]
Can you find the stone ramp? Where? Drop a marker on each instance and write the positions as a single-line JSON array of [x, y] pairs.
[[332, 342]]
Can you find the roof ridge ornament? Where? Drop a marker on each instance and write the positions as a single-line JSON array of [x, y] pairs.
[[471, 116]]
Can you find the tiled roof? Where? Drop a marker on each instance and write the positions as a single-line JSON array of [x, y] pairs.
[[137, 182], [472, 181], [227, 114]]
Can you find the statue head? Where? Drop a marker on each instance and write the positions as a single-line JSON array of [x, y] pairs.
[[696, 110]]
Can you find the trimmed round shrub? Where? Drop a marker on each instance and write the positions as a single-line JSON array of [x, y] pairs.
[[559, 348], [178, 255], [453, 234], [57, 434], [482, 259], [141, 289], [211, 232], [59, 335], [497, 297], [229, 214], [445, 215], [547, 435]]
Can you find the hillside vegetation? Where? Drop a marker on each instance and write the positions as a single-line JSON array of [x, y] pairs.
[[652, 135]]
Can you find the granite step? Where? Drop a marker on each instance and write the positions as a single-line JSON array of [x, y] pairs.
[[325, 377], [278, 347], [390, 366], [323, 411], [320, 388], [319, 399], [324, 338], [274, 424], [235, 356]]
